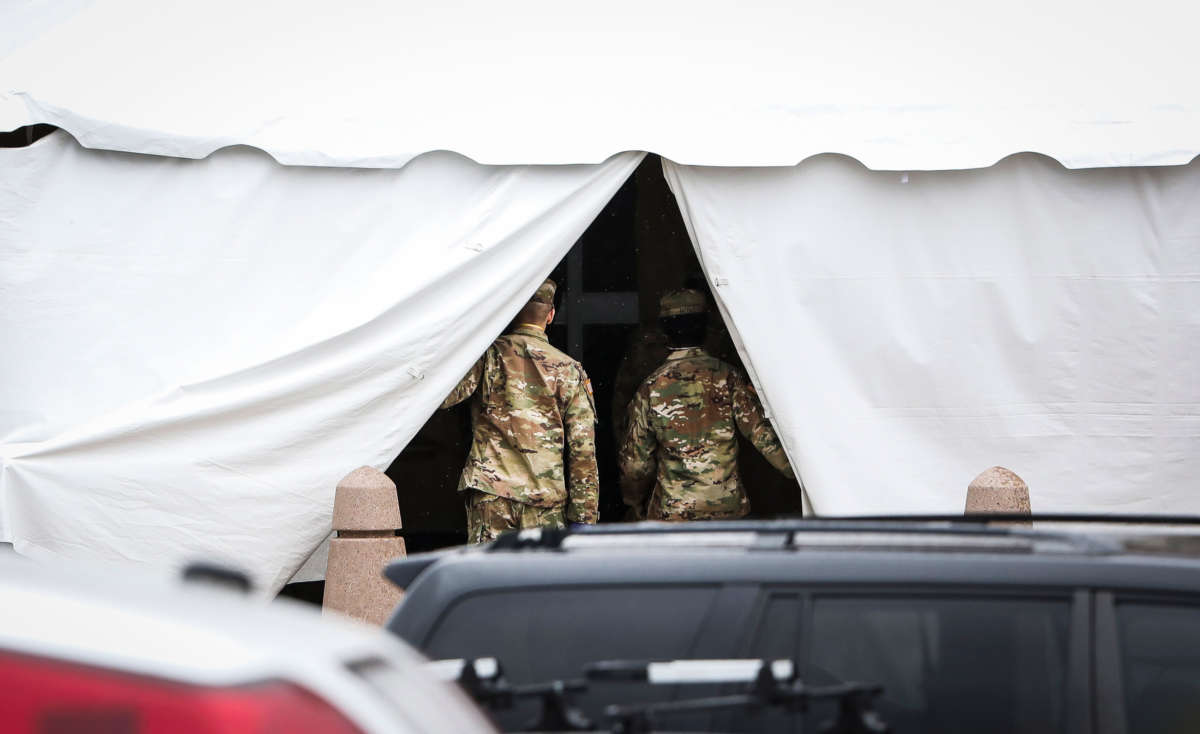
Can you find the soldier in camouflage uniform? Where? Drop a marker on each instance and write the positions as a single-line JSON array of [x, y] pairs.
[[681, 439], [532, 404]]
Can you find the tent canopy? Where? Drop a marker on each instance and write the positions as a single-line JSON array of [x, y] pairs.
[[898, 86]]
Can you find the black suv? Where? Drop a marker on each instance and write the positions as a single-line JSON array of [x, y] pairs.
[[968, 627]]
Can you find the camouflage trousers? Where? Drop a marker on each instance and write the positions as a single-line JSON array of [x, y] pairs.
[[489, 515]]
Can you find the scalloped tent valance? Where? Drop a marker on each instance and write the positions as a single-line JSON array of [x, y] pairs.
[[899, 86]]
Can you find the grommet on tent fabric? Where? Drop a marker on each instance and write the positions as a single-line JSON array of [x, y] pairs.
[[366, 516], [997, 490]]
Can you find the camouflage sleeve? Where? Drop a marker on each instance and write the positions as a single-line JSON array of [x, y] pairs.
[[466, 386], [636, 456], [583, 478], [753, 423]]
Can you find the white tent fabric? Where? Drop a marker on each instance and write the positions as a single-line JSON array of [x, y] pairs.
[[278, 326], [197, 351], [910, 330], [919, 85]]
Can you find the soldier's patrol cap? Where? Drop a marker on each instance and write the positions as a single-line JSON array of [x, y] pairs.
[[545, 293], [681, 302]]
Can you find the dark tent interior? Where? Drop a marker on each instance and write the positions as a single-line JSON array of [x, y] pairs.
[[609, 285]]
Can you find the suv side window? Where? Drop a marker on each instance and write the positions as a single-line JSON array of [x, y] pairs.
[[776, 630], [978, 664], [1160, 666], [532, 633], [775, 636]]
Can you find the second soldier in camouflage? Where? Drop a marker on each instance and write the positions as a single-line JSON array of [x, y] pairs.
[[681, 446]]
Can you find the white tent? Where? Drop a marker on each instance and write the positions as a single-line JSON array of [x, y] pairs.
[[197, 349]]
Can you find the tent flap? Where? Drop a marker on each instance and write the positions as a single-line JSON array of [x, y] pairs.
[[910, 330], [199, 350]]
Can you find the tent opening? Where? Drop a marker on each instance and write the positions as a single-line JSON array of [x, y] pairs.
[[23, 136], [609, 286]]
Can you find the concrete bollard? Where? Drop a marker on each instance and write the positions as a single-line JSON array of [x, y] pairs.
[[365, 518], [998, 490]]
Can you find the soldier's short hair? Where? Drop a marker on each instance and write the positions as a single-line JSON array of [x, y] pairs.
[[545, 292], [540, 305]]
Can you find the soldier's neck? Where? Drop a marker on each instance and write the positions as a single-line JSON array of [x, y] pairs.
[[539, 327]]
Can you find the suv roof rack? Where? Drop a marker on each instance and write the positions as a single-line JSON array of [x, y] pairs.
[[762, 684], [976, 527], [1051, 517], [981, 531]]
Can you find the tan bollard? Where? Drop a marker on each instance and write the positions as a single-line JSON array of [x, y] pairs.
[[998, 490], [365, 518]]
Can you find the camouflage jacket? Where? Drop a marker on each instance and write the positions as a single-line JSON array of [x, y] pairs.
[[681, 439], [532, 404]]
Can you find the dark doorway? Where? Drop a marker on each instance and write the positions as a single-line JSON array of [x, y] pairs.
[[24, 136], [609, 285]]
